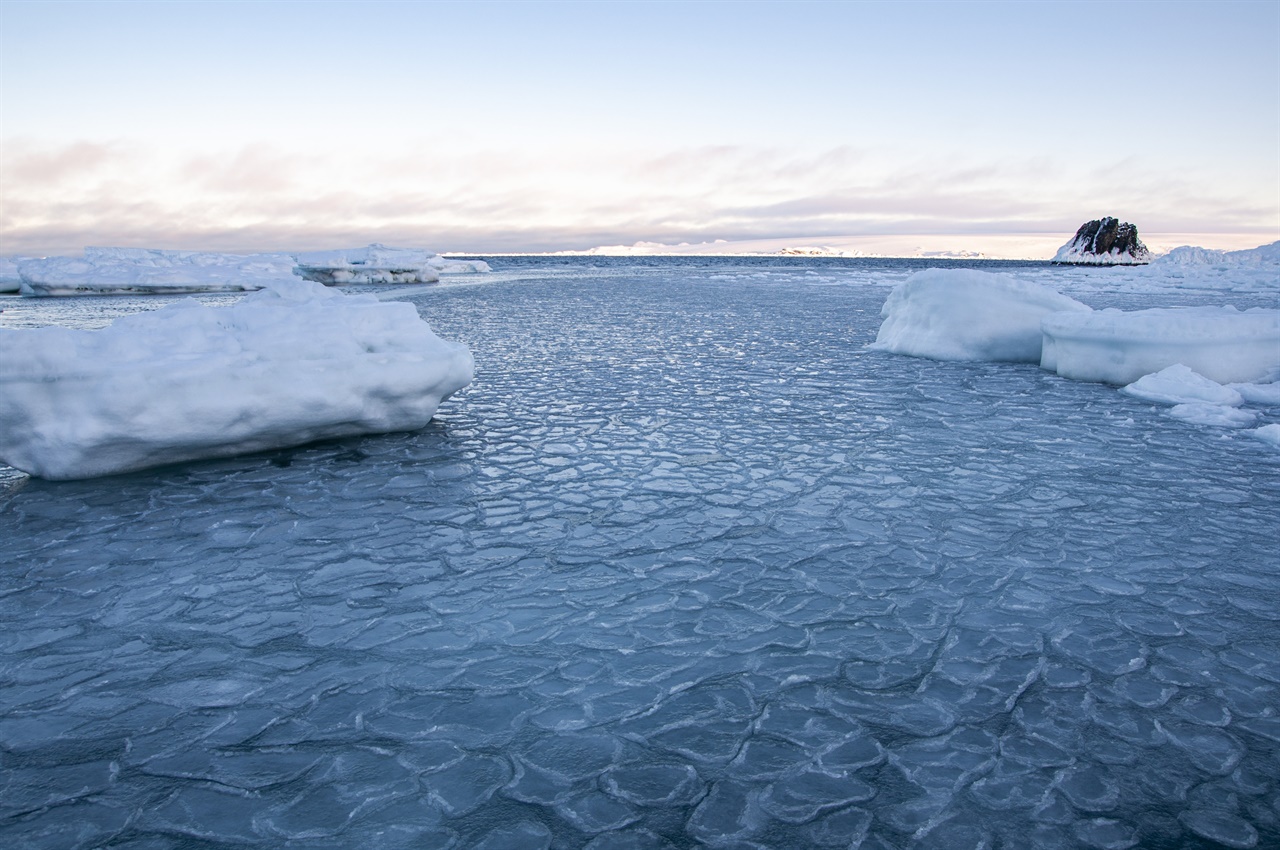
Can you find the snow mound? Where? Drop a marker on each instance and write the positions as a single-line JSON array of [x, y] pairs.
[[380, 264], [1191, 255], [963, 314], [1268, 433], [291, 364], [1114, 347], [1180, 385], [144, 271]]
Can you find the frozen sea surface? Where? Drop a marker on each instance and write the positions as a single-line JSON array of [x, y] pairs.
[[687, 565]]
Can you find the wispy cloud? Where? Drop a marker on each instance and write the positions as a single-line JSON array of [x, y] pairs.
[[257, 197]]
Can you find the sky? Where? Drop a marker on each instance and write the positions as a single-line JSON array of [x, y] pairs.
[[543, 126]]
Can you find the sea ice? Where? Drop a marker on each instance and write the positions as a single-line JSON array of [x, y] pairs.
[[1179, 385], [289, 365], [10, 280], [135, 271], [1221, 343], [380, 264], [963, 314]]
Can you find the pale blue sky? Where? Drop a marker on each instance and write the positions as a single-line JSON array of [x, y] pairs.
[[474, 126]]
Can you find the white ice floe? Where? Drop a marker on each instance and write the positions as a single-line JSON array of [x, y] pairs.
[[1267, 433], [294, 363], [10, 281], [380, 264], [1221, 343], [1194, 398], [1179, 385], [1213, 415], [963, 314], [142, 271]]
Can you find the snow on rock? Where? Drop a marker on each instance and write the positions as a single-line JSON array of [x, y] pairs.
[[143, 271], [1104, 242], [1115, 347], [1179, 385], [380, 264], [963, 314], [291, 364]]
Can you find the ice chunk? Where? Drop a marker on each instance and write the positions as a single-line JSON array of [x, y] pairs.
[[963, 314], [1179, 385], [143, 271], [10, 280], [380, 264], [1221, 343], [1214, 415], [286, 366], [1268, 434]]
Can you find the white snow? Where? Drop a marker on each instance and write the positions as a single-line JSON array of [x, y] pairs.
[[1267, 433], [10, 281], [139, 271], [1179, 385], [1205, 362], [134, 271], [291, 364], [380, 264], [1115, 347], [149, 270], [964, 314]]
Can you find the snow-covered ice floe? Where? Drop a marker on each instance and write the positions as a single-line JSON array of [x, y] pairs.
[[380, 264], [10, 281], [1207, 362], [293, 363], [1117, 347], [964, 314], [142, 271]]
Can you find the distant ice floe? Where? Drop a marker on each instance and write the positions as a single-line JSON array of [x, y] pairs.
[[380, 264], [149, 271], [1207, 362], [963, 314], [293, 363]]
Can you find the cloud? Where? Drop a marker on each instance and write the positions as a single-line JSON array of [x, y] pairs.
[[422, 192]]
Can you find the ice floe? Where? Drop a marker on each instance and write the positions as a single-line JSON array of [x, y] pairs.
[[10, 280], [137, 271], [145, 271], [1119, 347], [1206, 362], [293, 363], [380, 264], [964, 314]]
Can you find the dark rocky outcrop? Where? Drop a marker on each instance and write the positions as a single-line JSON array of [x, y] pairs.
[[1105, 242]]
